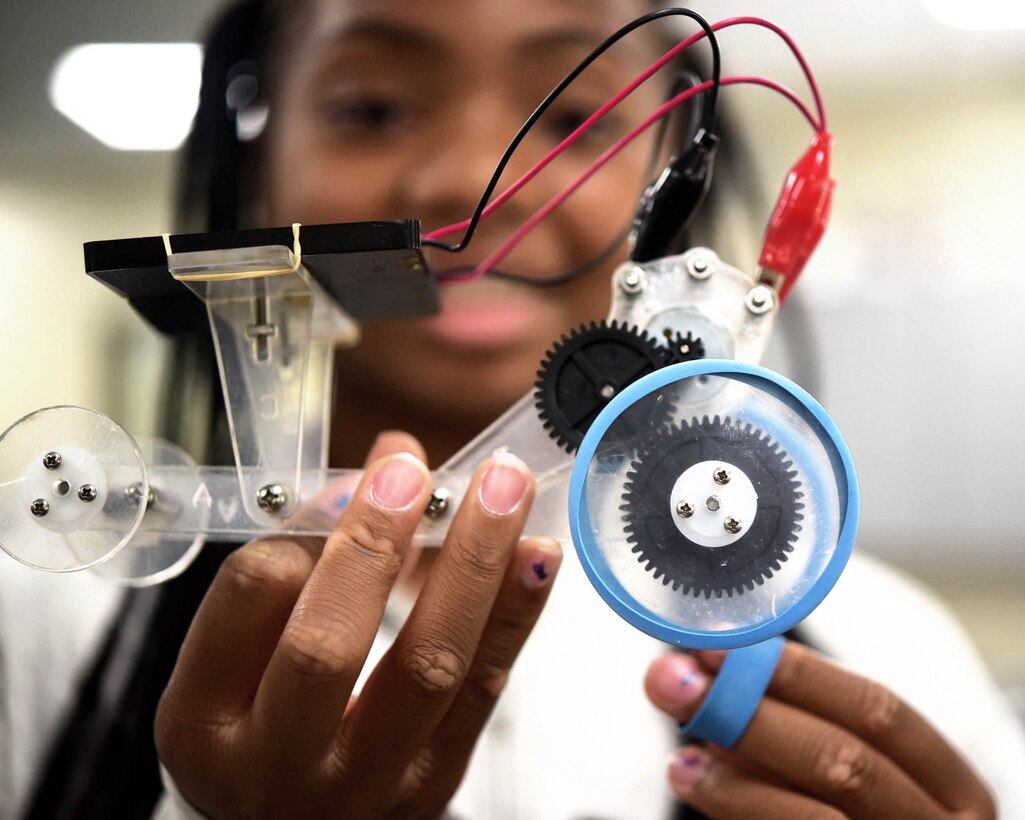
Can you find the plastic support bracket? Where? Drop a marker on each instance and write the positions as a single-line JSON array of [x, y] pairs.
[[730, 705]]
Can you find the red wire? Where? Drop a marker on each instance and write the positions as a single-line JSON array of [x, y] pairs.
[[502, 198], [507, 247], [798, 55]]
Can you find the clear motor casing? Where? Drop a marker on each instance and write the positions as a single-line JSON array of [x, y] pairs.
[[695, 561], [697, 292]]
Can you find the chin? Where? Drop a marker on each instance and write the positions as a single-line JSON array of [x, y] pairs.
[[477, 397]]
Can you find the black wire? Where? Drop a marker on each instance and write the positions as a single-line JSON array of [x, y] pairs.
[[563, 84], [686, 79]]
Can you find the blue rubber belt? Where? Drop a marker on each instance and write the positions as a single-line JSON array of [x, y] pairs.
[[738, 688]]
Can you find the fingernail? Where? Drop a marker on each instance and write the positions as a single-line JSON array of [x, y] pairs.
[[541, 566], [686, 768], [398, 482], [676, 681], [504, 484]]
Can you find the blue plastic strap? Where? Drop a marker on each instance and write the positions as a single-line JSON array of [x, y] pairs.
[[738, 688]]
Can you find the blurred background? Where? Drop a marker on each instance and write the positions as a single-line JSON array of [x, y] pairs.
[[908, 326]]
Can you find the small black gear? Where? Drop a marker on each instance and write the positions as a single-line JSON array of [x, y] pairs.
[[674, 558], [685, 348], [585, 370]]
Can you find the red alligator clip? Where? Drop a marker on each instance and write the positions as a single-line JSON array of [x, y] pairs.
[[800, 217]]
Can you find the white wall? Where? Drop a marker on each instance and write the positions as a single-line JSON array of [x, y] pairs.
[[67, 339]]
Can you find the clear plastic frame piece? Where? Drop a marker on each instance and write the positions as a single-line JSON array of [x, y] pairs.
[[713, 504], [170, 534], [74, 501]]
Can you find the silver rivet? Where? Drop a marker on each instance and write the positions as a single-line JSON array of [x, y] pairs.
[[632, 281], [607, 391], [732, 525], [699, 267], [438, 504], [685, 509], [713, 503], [759, 299], [52, 460], [87, 492], [720, 475], [271, 498], [134, 494], [40, 507], [61, 488]]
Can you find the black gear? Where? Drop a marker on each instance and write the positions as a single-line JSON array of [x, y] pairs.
[[585, 370], [673, 557], [685, 348]]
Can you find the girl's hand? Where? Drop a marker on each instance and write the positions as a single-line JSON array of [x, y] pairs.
[[259, 718], [823, 743]]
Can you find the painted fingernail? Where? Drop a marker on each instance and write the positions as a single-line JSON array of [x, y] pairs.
[[686, 768], [675, 681], [541, 566], [398, 482], [504, 484], [335, 498]]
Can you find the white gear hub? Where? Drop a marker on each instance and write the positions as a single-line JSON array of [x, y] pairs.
[[59, 489], [712, 503]]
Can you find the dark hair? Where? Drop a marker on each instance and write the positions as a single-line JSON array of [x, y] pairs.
[[215, 165]]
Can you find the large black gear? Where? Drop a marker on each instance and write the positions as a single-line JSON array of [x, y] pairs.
[[670, 555], [585, 370]]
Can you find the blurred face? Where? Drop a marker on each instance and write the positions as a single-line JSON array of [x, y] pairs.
[[389, 109]]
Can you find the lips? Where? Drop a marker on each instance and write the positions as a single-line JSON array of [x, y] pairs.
[[482, 320]]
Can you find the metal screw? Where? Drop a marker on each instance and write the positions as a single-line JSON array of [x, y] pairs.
[[713, 503], [632, 281], [87, 492], [732, 525], [271, 498], [134, 493], [721, 475], [438, 504], [699, 267], [759, 299], [685, 509], [52, 460], [40, 507], [61, 488]]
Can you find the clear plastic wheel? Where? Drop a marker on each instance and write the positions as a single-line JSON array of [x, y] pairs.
[[72, 483], [168, 539], [723, 525]]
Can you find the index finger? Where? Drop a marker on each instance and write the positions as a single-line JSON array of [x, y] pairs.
[[326, 641], [421, 675]]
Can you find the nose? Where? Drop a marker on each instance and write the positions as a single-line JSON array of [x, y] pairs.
[[446, 179]]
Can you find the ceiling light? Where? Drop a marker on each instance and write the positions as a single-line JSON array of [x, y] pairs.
[[130, 96]]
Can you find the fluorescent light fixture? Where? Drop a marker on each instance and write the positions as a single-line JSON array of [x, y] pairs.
[[130, 96], [980, 15]]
